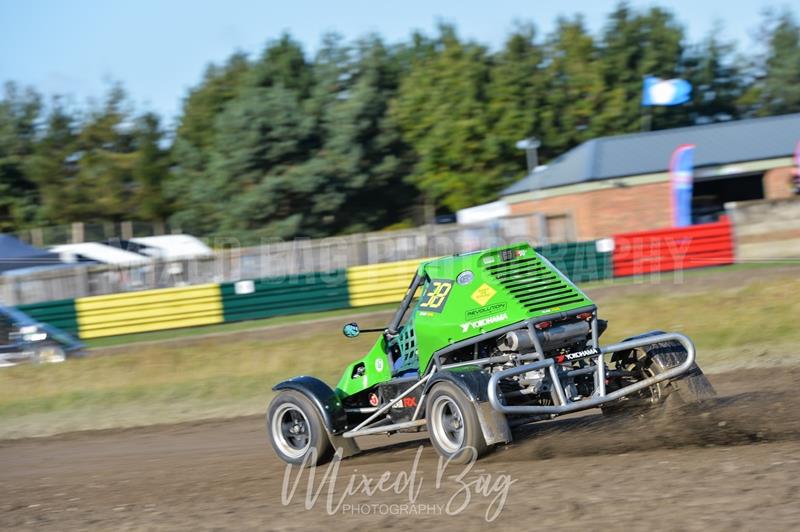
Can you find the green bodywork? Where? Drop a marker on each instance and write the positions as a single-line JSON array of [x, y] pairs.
[[508, 285]]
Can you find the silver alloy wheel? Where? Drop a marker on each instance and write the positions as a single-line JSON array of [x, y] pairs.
[[655, 390], [51, 354], [447, 424], [290, 430]]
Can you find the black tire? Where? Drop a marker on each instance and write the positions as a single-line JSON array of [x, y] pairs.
[[460, 440], [691, 387], [296, 430]]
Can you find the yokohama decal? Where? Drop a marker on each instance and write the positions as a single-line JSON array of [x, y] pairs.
[[582, 354]]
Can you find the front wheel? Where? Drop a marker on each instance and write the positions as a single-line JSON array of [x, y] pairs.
[[690, 387], [49, 353], [654, 360], [296, 430], [453, 424]]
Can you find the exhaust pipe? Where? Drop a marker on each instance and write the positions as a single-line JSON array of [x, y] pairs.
[[552, 338]]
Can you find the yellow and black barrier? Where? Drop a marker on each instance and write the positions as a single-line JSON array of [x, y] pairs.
[[380, 283], [149, 310]]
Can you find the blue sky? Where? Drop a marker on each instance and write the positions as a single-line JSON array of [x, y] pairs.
[[158, 49]]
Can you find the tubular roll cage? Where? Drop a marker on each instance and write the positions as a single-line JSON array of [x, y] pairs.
[[540, 362]]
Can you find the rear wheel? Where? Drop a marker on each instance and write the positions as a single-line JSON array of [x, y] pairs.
[[453, 424], [296, 430], [654, 360]]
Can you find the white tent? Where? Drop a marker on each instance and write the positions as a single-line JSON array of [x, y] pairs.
[[99, 253], [170, 247]]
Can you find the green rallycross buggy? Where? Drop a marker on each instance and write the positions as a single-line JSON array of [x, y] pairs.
[[482, 342]]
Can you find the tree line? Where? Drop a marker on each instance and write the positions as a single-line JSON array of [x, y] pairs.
[[367, 135]]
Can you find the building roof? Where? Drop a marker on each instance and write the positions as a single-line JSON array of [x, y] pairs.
[[646, 153]]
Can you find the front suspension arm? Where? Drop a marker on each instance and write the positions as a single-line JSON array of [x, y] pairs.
[[566, 405]]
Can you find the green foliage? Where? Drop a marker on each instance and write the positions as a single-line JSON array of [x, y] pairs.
[[516, 96], [103, 184], [574, 88], [149, 169], [361, 155], [716, 80], [634, 45], [776, 89], [19, 111], [185, 188], [440, 108], [367, 135], [53, 165], [62, 166], [302, 149]]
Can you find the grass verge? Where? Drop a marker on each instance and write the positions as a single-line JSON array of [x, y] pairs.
[[226, 328]]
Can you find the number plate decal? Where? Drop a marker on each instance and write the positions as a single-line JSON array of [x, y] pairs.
[[436, 295]]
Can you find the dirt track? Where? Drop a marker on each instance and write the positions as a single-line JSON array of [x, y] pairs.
[[727, 465]]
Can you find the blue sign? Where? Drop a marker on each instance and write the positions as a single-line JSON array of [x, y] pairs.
[[659, 91]]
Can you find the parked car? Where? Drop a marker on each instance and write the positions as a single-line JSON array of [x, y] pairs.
[[23, 339]]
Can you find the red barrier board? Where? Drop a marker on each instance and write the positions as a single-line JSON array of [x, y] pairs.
[[663, 250]]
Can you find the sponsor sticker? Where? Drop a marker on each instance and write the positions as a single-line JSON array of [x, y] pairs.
[[241, 288], [582, 354], [483, 294], [475, 313], [477, 324], [549, 310]]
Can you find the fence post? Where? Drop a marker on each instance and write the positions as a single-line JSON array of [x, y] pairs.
[[83, 282], [7, 291], [37, 237], [126, 230], [16, 292], [77, 232]]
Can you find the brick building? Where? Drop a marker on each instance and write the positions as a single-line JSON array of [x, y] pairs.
[[618, 184]]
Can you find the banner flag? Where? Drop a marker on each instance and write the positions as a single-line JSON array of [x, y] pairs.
[[681, 167], [797, 168], [659, 91]]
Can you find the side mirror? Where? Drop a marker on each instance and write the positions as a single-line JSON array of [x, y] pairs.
[[351, 330]]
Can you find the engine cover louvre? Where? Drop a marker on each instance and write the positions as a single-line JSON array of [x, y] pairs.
[[536, 284]]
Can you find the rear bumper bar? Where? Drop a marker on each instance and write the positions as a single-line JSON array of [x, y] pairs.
[[600, 397]]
